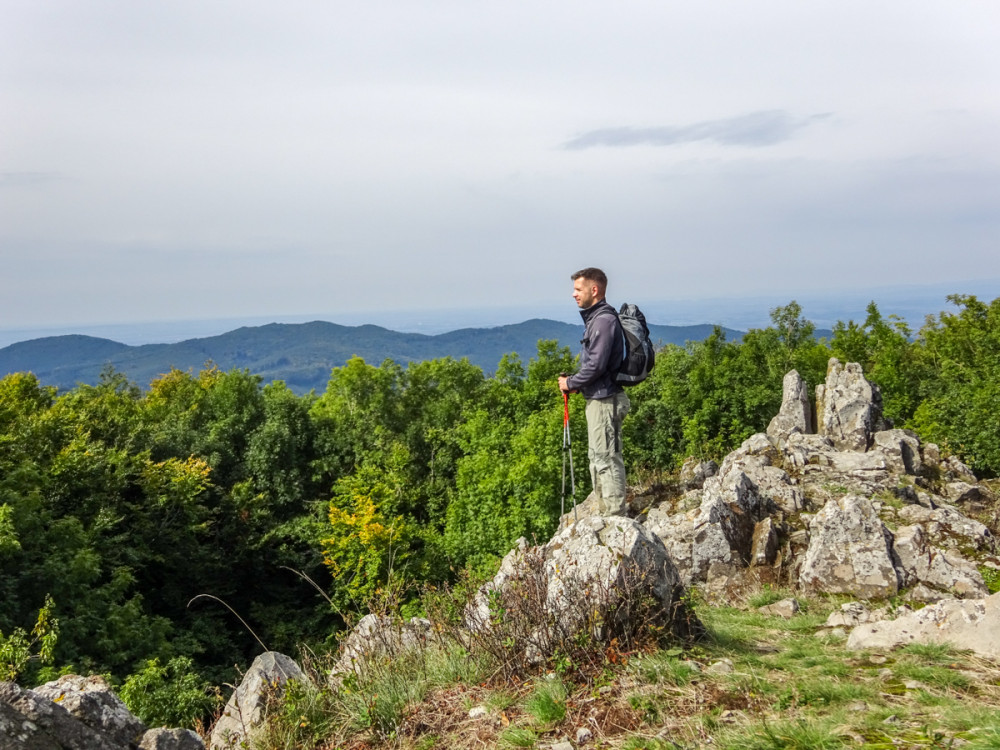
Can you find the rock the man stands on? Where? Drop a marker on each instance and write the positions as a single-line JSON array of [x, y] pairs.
[[607, 404]]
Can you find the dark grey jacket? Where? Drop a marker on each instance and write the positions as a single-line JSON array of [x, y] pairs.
[[603, 351]]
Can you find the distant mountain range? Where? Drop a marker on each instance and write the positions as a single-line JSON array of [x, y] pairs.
[[302, 355]]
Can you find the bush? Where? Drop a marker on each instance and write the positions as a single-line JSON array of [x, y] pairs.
[[172, 696]]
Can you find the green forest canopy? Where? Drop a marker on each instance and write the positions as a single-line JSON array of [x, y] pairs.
[[119, 508]]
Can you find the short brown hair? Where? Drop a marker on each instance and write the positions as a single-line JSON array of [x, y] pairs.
[[592, 274]]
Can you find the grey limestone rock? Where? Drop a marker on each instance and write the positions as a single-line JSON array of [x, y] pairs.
[[786, 608], [171, 739], [91, 700], [29, 721], [850, 551], [245, 709], [848, 407], [901, 449], [694, 473], [604, 556], [795, 414], [945, 573], [872, 465], [677, 532], [377, 637], [949, 528], [765, 543], [721, 531], [952, 469], [972, 624], [802, 450], [851, 615], [966, 494]]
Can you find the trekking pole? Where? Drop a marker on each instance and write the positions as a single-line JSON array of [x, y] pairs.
[[567, 451]]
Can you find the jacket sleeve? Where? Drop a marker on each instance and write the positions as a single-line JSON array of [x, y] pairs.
[[596, 353]]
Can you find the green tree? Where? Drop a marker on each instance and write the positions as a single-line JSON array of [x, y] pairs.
[[961, 384], [509, 479]]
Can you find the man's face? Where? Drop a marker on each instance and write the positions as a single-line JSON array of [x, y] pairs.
[[584, 292]]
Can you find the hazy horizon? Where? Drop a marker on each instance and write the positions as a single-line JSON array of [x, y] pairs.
[[910, 302]]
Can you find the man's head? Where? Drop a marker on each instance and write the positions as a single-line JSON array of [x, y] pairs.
[[589, 286]]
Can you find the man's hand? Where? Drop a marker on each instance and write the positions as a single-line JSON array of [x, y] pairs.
[[562, 384]]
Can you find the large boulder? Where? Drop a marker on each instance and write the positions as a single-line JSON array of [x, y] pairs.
[[848, 407], [29, 721], [91, 700], [245, 710], [579, 581], [972, 624], [850, 551]]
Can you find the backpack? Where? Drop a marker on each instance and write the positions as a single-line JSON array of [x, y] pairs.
[[639, 355]]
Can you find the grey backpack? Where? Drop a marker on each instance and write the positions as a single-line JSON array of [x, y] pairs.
[[639, 355]]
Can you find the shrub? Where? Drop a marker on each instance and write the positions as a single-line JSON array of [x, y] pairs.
[[173, 695]]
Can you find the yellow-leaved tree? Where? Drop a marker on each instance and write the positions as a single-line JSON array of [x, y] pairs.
[[367, 549]]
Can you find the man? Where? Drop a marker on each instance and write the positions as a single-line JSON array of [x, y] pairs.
[[607, 404]]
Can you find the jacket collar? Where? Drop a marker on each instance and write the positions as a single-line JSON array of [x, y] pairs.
[[593, 310]]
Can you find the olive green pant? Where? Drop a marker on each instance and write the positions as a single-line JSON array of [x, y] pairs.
[[604, 435]]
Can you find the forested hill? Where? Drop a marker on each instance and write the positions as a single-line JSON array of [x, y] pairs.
[[301, 355]]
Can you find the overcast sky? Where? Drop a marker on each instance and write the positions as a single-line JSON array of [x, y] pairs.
[[196, 158]]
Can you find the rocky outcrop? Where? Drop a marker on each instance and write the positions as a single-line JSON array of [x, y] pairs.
[[79, 713], [264, 680], [816, 510]]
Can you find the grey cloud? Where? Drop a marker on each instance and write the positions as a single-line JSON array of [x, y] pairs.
[[754, 129]]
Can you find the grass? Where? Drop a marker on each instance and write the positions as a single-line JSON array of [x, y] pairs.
[[518, 737], [787, 688], [547, 703]]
